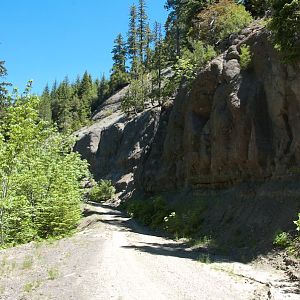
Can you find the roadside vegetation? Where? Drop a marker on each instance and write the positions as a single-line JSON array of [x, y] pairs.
[[182, 220], [40, 176], [102, 191], [178, 220]]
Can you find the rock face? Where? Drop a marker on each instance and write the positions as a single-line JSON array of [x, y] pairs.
[[232, 125], [115, 145]]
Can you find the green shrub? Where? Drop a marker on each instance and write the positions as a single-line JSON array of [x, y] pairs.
[[149, 212], [188, 65], [103, 191], [40, 191], [285, 27], [219, 20], [158, 214], [282, 239], [184, 223], [245, 57]]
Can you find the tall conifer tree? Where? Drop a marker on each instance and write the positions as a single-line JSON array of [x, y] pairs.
[[132, 43], [119, 77], [142, 29]]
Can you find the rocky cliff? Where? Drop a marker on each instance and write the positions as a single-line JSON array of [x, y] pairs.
[[232, 125]]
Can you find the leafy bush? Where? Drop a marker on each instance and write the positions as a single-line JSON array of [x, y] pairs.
[[149, 212], [285, 27], [103, 191], [219, 20], [184, 223], [158, 214], [188, 65], [190, 62], [245, 57], [40, 191], [282, 239]]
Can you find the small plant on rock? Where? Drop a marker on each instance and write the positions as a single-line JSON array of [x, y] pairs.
[[282, 239], [245, 57], [103, 191], [297, 222]]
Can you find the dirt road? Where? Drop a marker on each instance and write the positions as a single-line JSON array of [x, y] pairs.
[[114, 258]]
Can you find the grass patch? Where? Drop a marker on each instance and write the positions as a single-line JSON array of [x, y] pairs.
[[30, 286], [27, 262], [204, 241], [205, 259], [53, 273], [2, 290]]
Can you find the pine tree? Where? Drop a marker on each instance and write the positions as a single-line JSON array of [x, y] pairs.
[[157, 63], [179, 23], [45, 105], [148, 50], [103, 89], [119, 77], [142, 29], [102, 93], [119, 54], [132, 43], [64, 105], [3, 87]]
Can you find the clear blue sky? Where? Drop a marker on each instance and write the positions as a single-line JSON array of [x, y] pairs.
[[45, 40]]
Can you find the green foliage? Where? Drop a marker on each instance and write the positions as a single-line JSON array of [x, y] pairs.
[[179, 24], [158, 214], [187, 66], [150, 212], [137, 94], [297, 223], [40, 192], [142, 34], [219, 20], [69, 105], [282, 239], [132, 43], [45, 105], [190, 62], [184, 223], [103, 191], [53, 273], [258, 8], [285, 27], [3, 86], [27, 263], [245, 57], [205, 259]]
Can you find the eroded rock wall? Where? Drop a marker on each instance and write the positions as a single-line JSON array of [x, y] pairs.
[[233, 125]]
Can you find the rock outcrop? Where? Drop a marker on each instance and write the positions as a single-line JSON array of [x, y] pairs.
[[233, 125]]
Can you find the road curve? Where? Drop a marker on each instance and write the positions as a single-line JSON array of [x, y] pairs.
[[112, 257]]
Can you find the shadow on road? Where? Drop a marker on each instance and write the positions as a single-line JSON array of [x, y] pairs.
[[168, 247]]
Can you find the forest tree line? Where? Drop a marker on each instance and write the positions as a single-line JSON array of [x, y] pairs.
[[188, 40]]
